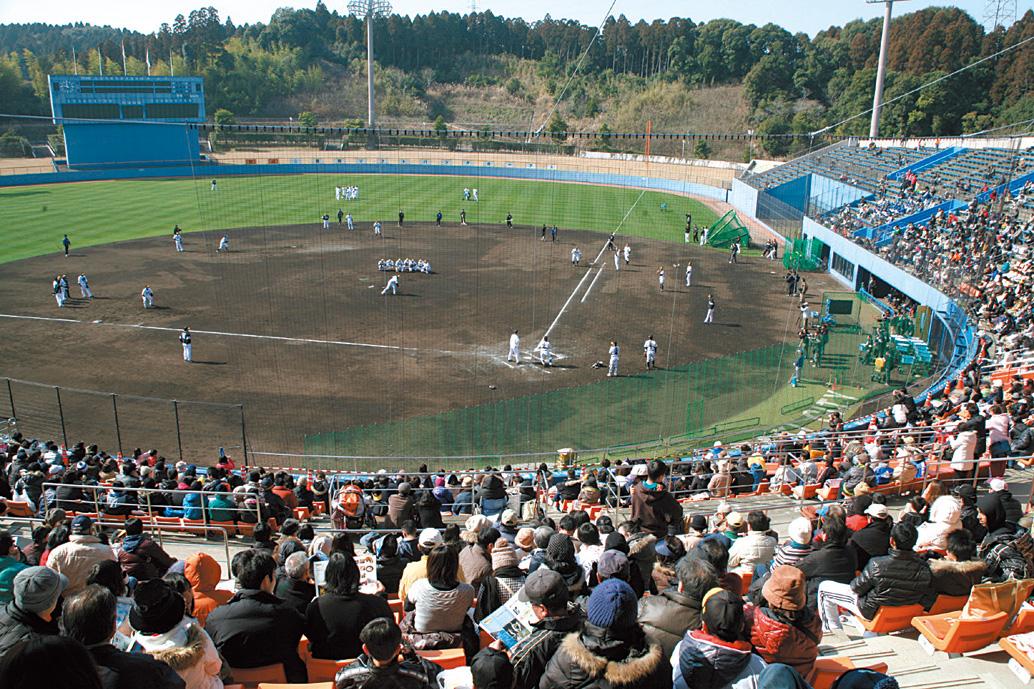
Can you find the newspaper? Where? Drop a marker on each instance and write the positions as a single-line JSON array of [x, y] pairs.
[[510, 623], [367, 564]]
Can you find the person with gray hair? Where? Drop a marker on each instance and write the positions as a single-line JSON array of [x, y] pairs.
[[296, 589], [538, 555]]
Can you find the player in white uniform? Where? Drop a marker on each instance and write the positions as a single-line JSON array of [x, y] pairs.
[[615, 354], [514, 353], [147, 296], [326, 221], [187, 348], [627, 253], [545, 352], [709, 318], [466, 194], [377, 229], [213, 185], [650, 352], [474, 195], [348, 221], [393, 284], [177, 238], [224, 244], [660, 278], [59, 293], [84, 286], [689, 274], [617, 260], [576, 256]]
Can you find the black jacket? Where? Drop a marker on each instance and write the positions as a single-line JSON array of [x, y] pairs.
[[1013, 509], [530, 656], [596, 659], [389, 572], [833, 562], [333, 623], [871, 541], [17, 625], [667, 617], [900, 578], [120, 670], [295, 594], [256, 628], [412, 673], [951, 578]]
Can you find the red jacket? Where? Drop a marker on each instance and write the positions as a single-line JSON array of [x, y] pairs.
[[777, 641], [287, 495]]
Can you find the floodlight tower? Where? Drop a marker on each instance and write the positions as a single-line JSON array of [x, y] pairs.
[[999, 13], [877, 98], [369, 10]]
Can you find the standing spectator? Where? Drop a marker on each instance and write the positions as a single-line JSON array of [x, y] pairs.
[[255, 628], [386, 663], [334, 620], [783, 628], [30, 614], [611, 648], [998, 426], [164, 632], [75, 558], [757, 547], [140, 556], [10, 564], [666, 617], [203, 573], [717, 655], [652, 505], [89, 618]]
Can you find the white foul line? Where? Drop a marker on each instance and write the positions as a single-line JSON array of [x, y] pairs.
[[593, 283], [306, 340]]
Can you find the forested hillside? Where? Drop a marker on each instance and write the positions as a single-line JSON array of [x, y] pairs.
[[483, 71]]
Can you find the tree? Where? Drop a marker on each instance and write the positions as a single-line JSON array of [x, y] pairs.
[[224, 117], [701, 149], [308, 119], [440, 127], [557, 127]]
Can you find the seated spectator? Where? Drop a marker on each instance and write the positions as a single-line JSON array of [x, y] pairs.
[[797, 546], [502, 584], [668, 551], [555, 617], [429, 511], [75, 558], [666, 617], [872, 540], [34, 550], [734, 524], [900, 578], [221, 507], [29, 615], [408, 546], [1006, 548], [717, 655], [834, 561], [180, 585], [296, 588], [560, 558], [400, 507], [10, 564], [1013, 508], [476, 557], [389, 564], [89, 618], [589, 546], [783, 629], [712, 550], [756, 547], [256, 628], [540, 540], [611, 648], [203, 573], [414, 571], [54, 662], [333, 621], [944, 517], [491, 668], [464, 502], [284, 491], [653, 506], [696, 530], [508, 524], [721, 482], [386, 662], [140, 556], [303, 493], [163, 631], [960, 569], [440, 603]]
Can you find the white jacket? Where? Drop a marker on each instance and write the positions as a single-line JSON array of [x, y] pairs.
[[964, 445], [750, 550], [945, 517], [188, 650]]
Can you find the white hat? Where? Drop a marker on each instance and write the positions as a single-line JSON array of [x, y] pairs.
[[430, 538], [800, 530], [877, 510], [724, 508], [997, 484], [718, 443], [639, 470], [476, 522]]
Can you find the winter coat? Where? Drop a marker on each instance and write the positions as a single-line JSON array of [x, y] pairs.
[[707, 661], [17, 625], [121, 670], [400, 509], [951, 578], [945, 517], [834, 562], [668, 616], [871, 541], [642, 554], [900, 578], [531, 655], [297, 594], [222, 508], [9, 568], [142, 558], [389, 572], [964, 446], [777, 639], [333, 623], [1007, 554], [656, 510], [1013, 508], [254, 629], [719, 484], [188, 650], [203, 573], [752, 549], [413, 672], [475, 564], [76, 558], [594, 659]]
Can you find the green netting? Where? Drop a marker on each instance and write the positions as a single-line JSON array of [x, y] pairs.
[[727, 230], [803, 254]]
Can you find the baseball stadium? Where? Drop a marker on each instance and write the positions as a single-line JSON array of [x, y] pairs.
[[773, 328]]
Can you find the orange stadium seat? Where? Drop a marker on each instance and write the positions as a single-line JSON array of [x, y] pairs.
[[446, 657], [1023, 623], [310, 685], [827, 670], [955, 634], [319, 669], [17, 508], [396, 607], [945, 604], [891, 619], [252, 677], [1020, 664]]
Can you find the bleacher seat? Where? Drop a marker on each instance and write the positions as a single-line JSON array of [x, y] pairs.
[[1020, 664], [252, 677], [890, 619], [828, 670], [446, 657], [310, 685], [955, 634]]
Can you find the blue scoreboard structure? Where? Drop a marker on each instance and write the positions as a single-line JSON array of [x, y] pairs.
[[120, 121]]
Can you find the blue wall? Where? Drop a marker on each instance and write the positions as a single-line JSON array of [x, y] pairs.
[[125, 143]]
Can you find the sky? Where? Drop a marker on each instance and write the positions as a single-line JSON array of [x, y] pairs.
[[809, 16]]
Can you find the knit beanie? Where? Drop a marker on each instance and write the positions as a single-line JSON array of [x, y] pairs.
[[615, 541], [800, 530], [503, 555], [560, 548], [612, 604]]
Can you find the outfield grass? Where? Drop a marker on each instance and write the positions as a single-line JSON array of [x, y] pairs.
[[34, 218]]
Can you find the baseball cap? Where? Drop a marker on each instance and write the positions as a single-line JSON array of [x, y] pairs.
[[997, 484], [612, 563], [877, 510], [430, 538], [82, 524], [36, 589], [544, 587], [509, 518]]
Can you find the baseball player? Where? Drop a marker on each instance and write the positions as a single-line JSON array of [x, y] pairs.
[[627, 253], [576, 256], [177, 238], [660, 278], [377, 229], [59, 295], [326, 221], [438, 219], [734, 252], [67, 243], [689, 274], [617, 261], [349, 223], [545, 352], [466, 194], [213, 185], [402, 218], [224, 244], [650, 352], [610, 243], [509, 221], [393, 284], [63, 281], [709, 318], [463, 216], [515, 348], [474, 195], [147, 296], [340, 215], [84, 286], [185, 341], [615, 354]]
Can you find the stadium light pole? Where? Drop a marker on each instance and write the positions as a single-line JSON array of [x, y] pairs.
[[369, 10], [877, 97]]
